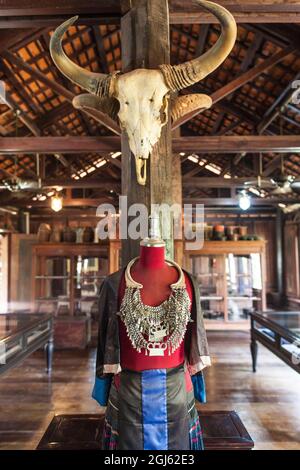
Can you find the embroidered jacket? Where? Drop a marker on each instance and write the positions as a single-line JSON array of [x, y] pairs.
[[108, 352]]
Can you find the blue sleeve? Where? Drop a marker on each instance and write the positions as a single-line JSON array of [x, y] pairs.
[[199, 387], [101, 390]]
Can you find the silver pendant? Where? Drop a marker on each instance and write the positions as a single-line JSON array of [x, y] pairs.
[[156, 349], [157, 335]]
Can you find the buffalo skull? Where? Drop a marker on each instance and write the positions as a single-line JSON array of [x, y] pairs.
[[139, 99]]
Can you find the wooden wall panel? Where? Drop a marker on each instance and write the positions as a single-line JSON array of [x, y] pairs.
[[291, 260], [20, 271], [4, 275], [267, 230], [264, 228]]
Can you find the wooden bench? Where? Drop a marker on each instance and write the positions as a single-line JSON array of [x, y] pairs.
[[223, 430]]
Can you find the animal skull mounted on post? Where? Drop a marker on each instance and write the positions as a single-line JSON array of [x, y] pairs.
[[139, 99]]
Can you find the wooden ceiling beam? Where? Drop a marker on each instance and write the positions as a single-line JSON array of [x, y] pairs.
[[25, 13], [234, 144], [11, 8], [55, 115], [288, 33], [228, 202], [212, 182], [278, 106], [65, 144], [202, 39], [22, 116], [246, 63], [24, 165], [35, 130], [206, 201], [61, 90], [245, 115], [267, 34], [83, 183], [189, 182], [8, 39], [273, 165], [200, 144], [229, 128], [21, 91], [67, 202], [244, 11], [45, 40], [239, 82], [100, 49]]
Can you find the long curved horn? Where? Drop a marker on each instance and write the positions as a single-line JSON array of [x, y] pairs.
[[107, 105], [181, 76], [96, 83], [186, 104]]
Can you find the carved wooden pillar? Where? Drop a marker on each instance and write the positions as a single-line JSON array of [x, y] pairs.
[[177, 197], [145, 44]]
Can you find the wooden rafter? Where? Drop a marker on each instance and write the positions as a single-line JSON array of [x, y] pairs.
[[49, 12], [240, 113], [202, 144], [278, 106], [246, 63], [229, 202], [61, 90], [240, 81], [206, 201]]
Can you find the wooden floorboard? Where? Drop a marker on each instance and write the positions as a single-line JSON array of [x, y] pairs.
[[268, 402]]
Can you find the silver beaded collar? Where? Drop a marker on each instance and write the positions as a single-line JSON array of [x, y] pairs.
[[132, 283], [155, 329]]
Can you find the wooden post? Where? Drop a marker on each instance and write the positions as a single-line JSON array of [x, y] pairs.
[[177, 198], [145, 44], [279, 256]]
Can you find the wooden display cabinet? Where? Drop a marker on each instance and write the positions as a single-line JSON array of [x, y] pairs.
[[65, 282], [232, 279]]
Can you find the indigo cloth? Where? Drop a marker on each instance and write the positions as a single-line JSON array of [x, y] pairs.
[[152, 410]]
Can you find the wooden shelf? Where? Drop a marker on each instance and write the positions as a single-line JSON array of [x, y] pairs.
[[72, 333], [211, 297], [216, 325], [219, 251], [226, 247]]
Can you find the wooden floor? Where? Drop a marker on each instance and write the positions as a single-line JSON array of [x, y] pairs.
[[268, 402]]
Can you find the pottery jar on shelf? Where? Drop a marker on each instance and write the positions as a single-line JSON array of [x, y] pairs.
[[44, 232], [69, 235]]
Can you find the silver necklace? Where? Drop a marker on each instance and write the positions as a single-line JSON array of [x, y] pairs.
[[155, 329]]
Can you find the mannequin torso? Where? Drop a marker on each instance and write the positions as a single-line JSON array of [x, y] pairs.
[[156, 276]]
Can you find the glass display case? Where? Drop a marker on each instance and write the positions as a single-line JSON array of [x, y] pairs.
[[3, 274], [209, 273], [65, 282], [69, 285], [244, 285], [231, 277]]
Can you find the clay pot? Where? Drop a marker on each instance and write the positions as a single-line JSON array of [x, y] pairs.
[[88, 235], [56, 236], [79, 233], [219, 229], [219, 232], [243, 230], [229, 230], [207, 232], [69, 235], [44, 233]]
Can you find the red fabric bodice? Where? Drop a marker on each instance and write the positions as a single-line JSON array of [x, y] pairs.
[[131, 359]]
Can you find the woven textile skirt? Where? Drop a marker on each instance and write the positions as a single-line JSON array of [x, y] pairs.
[[151, 410]]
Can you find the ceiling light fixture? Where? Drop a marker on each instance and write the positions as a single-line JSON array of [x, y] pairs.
[[56, 203], [244, 201]]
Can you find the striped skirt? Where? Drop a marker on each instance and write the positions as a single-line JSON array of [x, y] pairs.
[[151, 410]]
